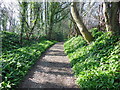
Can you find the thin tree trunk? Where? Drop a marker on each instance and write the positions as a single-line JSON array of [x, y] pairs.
[[51, 16], [22, 29], [46, 18], [50, 31], [23, 22], [85, 33]]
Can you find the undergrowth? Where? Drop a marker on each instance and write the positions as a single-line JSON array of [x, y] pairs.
[[96, 65], [17, 60]]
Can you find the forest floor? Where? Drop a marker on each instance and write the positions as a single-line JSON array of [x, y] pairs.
[[52, 70]]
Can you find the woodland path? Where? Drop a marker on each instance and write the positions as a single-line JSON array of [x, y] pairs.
[[52, 70]]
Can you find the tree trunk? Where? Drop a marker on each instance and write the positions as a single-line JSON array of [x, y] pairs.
[[111, 14], [51, 16], [23, 22], [46, 17], [22, 30], [50, 31], [77, 29], [77, 18], [75, 26]]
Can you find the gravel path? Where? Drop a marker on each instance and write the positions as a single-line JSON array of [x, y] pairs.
[[51, 71]]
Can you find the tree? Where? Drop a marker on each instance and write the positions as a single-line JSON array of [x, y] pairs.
[[7, 16], [111, 14], [74, 30], [78, 20], [4, 18], [32, 15], [23, 17], [57, 12]]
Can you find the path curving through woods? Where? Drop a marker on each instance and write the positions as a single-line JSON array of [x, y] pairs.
[[51, 71]]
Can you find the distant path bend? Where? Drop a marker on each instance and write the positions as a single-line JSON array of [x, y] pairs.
[[51, 71]]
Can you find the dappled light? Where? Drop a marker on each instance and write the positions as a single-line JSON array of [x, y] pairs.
[[58, 44], [50, 69]]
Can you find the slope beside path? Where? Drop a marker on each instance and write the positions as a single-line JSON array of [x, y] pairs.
[[51, 71]]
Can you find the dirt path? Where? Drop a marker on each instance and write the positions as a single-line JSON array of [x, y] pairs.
[[51, 71]]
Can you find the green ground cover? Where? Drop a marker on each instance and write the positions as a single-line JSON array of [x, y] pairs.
[[96, 65], [17, 60]]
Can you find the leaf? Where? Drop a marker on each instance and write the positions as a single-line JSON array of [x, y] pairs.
[[33, 21]]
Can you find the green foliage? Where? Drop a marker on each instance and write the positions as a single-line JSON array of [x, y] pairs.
[[96, 33], [73, 44], [96, 65], [58, 36], [17, 60]]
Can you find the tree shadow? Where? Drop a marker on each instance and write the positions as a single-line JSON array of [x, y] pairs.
[[60, 73], [55, 53], [64, 67], [45, 63], [46, 85], [58, 46], [58, 54]]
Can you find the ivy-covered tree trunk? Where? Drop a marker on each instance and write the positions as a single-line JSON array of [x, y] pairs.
[[111, 14], [78, 20]]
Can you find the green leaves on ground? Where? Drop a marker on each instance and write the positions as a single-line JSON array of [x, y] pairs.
[[96, 65], [16, 61]]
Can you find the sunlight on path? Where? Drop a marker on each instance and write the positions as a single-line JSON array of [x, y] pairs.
[[51, 71]]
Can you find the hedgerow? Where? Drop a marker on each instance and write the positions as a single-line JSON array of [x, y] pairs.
[[17, 60], [96, 65]]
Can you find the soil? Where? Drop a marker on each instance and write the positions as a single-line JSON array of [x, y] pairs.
[[52, 70]]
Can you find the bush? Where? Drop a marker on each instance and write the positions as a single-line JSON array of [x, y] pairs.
[[17, 60], [96, 65]]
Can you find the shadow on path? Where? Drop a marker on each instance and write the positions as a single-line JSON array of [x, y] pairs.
[[53, 70]]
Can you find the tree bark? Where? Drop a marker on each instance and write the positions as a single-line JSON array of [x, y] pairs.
[[46, 22], [50, 32], [77, 29], [51, 17], [77, 18], [23, 21], [50, 26], [75, 26], [111, 14]]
